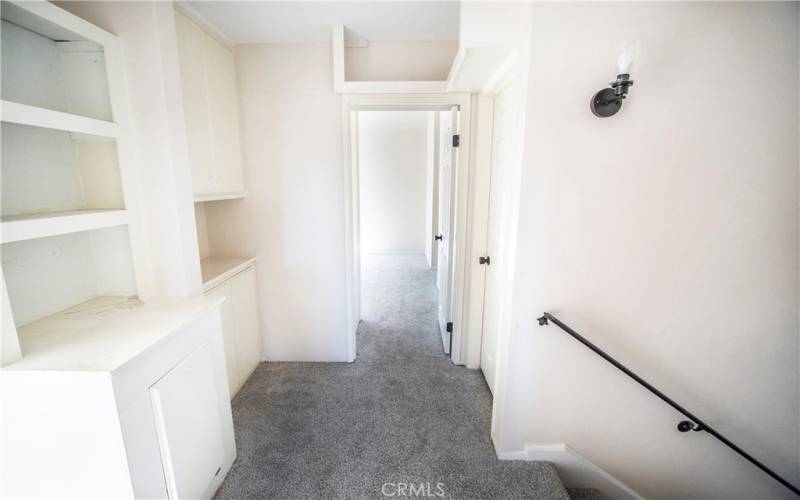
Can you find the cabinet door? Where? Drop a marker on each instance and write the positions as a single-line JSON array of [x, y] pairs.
[[195, 103], [228, 335], [186, 407], [224, 111], [245, 319]]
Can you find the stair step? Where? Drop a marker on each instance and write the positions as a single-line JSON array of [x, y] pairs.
[[585, 494]]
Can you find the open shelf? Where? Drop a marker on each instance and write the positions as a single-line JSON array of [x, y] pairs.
[[48, 66], [27, 227], [215, 270], [102, 333], [23, 114]]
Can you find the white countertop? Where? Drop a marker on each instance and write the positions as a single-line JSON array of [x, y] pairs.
[[103, 333], [215, 270]]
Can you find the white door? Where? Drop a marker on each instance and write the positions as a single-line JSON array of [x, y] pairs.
[[504, 149], [245, 320], [186, 410], [448, 127]]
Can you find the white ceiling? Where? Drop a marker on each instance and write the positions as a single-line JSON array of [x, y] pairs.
[[282, 21]]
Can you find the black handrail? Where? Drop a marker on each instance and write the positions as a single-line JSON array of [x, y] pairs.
[[694, 423]]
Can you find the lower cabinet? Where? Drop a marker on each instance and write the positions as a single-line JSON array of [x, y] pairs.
[[239, 326], [149, 418]]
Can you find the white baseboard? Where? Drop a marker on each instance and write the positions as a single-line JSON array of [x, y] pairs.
[[575, 470]]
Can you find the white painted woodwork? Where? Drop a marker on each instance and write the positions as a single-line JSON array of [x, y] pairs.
[[235, 280], [462, 249], [496, 295], [448, 126], [68, 77], [46, 275], [245, 318], [195, 103], [223, 292], [65, 226], [216, 270], [211, 108], [82, 171], [12, 112], [98, 366], [27, 227], [188, 425]]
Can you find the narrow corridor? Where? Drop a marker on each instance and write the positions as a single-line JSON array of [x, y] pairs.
[[401, 414]]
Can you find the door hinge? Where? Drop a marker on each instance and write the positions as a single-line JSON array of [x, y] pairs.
[[456, 140], [485, 260], [449, 327]]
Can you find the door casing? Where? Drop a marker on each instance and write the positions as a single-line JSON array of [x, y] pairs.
[[464, 285]]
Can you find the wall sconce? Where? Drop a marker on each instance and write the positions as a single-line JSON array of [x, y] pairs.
[[608, 101]]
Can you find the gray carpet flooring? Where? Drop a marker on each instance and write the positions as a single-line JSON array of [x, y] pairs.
[[402, 414]]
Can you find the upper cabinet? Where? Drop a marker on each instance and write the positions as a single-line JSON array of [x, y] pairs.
[[210, 101]]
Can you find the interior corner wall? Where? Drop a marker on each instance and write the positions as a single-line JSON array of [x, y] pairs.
[[158, 139], [292, 218], [392, 164], [668, 235]]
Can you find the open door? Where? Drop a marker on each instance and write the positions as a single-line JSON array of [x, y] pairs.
[[448, 150]]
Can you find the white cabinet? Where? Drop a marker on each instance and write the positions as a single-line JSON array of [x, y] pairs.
[[118, 400], [211, 109], [239, 321]]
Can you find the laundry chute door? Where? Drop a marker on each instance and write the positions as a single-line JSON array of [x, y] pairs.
[[448, 129]]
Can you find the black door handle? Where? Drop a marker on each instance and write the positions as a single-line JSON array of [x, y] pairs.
[[438, 237], [484, 260]]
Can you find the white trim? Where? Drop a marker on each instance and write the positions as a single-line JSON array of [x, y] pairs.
[[462, 251], [62, 20], [575, 470], [218, 196], [13, 112], [29, 227]]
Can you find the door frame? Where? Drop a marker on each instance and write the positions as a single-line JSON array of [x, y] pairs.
[[467, 278]]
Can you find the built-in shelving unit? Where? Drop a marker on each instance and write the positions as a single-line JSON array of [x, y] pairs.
[[216, 270], [65, 218]]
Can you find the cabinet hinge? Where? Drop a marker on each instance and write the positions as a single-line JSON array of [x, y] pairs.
[[456, 140]]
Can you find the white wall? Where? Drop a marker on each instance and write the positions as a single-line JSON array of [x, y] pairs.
[[400, 61], [393, 159], [293, 217], [432, 189], [158, 137], [667, 234]]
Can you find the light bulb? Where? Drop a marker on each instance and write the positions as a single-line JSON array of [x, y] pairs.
[[626, 57]]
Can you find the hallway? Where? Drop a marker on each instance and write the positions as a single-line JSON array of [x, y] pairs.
[[402, 413]]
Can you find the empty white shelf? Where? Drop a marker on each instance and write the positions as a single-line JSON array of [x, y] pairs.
[[215, 270], [103, 333], [28, 227], [14, 112]]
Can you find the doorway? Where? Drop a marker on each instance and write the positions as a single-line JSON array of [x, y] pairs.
[[446, 245]]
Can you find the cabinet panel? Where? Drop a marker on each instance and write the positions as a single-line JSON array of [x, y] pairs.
[[195, 103], [186, 411], [245, 319], [224, 113], [228, 335]]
